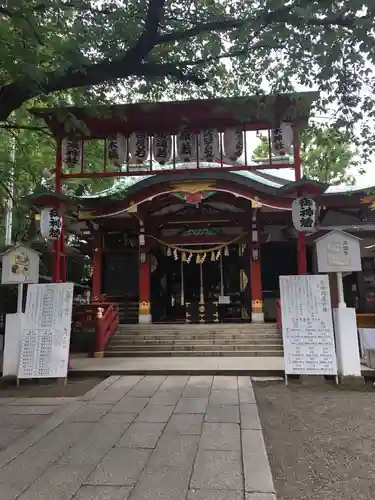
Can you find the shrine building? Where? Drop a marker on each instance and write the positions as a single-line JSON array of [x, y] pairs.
[[192, 229]]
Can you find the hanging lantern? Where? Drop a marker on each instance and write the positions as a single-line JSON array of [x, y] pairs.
[[213, 257], [162, 148], [198, 261], [169, 251], [233, 143], [72, 151], [282, 139], [209, 146], [138, 146], [186, 145], [50, 223], [117, 149], [226, 252], [305, 215]]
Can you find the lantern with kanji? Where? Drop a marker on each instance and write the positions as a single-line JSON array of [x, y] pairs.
[[50, 223], [305, 214]]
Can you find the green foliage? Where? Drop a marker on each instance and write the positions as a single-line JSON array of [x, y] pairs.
[[326, 156]]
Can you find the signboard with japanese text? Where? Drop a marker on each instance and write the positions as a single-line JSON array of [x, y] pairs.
[[305, 214], [307, 325], [46, 331], [338, 252]]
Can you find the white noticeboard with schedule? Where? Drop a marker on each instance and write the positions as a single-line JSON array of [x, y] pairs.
[[46, 331], [307, 325]]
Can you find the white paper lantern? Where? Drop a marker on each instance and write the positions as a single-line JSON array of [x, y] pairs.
[[233, 143], [209, 144], [162, 148], [117, 149], [50, 223], [72, 151], [139, 146], [186, 145], [305, 214], [282, 139]]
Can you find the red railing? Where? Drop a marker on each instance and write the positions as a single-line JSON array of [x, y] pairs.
[[102, 317], [278, 316]]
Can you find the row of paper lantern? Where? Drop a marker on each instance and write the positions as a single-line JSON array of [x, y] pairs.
[[205, 146]]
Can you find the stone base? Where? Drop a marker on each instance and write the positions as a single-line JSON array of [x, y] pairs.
[[351, 381], [144, 319], [257, 317]]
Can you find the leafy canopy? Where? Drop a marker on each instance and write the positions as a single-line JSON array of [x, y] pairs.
[[326, 156], [164, 48]]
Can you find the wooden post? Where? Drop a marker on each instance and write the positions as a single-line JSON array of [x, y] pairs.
[[56, 264], [97, 262], [257, 315]]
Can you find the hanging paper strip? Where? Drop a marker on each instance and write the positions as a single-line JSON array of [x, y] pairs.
[[189, 258], [162, 148], [117, 149], [282, 139], [138, 146], [233, 143], [72, 151], [209, 144], [186, 145]]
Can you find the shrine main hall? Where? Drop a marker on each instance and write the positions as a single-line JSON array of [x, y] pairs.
[[191, 227]]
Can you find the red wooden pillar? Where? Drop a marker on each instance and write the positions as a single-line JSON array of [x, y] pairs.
[[301, 238], [257, 315], [97, 263], [144, 314]]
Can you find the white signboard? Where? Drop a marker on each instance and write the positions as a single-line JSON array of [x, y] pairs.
[[20, 264], [338, 252], [309, 346], [46, 333]]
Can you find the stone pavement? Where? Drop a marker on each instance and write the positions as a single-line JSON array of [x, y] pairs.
[[137, 438]]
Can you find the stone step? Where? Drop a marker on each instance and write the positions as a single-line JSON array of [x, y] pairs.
[[196, 338], [157, 342], [207, 347], [151, 353]]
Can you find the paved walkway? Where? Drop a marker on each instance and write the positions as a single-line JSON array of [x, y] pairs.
[[137, 438]]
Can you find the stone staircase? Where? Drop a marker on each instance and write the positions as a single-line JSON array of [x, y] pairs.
[[196, 340]]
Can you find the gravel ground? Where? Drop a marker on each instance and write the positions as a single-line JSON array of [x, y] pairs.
[[47, 388], [320, 440]]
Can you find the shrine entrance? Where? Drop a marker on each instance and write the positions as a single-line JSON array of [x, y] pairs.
[[213, 281]]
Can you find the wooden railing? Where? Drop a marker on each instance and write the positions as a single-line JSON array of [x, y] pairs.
[[102, 317], [278, 316]]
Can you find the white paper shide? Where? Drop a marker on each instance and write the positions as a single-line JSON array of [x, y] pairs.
[[307, 326]]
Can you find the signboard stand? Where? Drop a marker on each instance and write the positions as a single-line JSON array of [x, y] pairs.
[[339, 252], [20, 265], [46, 332], [309, 346]]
